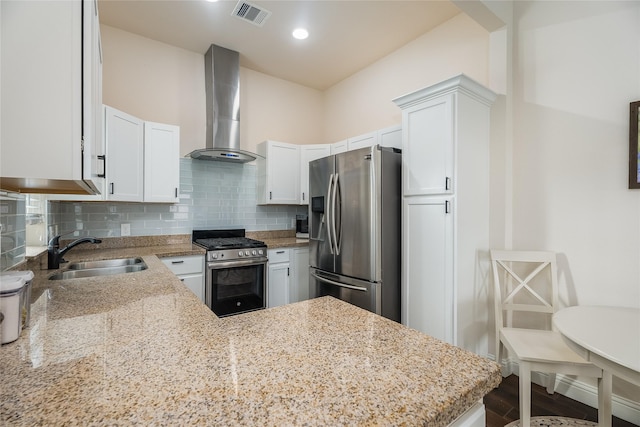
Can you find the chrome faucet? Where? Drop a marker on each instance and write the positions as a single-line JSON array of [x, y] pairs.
[[55, 254]]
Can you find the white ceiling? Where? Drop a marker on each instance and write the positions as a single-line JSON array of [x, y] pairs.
[[345, 36]]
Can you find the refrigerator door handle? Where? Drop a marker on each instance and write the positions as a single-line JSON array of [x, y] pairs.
[[328, 214], [334, 226], [342, 285]]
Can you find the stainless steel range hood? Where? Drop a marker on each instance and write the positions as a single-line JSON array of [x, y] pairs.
[[222, 84]]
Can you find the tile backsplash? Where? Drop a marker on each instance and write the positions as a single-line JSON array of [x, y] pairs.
[[212, 195], [12, 230]]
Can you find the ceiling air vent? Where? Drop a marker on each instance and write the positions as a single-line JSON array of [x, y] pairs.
[[250, 12]]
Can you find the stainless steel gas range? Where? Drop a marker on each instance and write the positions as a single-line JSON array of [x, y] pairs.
[[236, 273]]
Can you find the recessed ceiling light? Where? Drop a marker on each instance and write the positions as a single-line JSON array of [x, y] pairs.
[[300, 33], [212, 1]]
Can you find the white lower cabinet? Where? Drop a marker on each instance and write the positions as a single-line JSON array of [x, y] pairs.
[[428, 267], [189, 269], [278, 278]]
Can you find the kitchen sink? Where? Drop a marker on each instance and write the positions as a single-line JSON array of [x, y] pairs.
[[99, 271], [120, 262]]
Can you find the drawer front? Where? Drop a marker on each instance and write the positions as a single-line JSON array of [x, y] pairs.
[[185, 264], [278, 255]]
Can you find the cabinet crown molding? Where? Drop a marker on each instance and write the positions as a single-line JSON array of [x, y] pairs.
[[460, 83]]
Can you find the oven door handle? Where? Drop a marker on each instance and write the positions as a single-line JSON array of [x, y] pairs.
[[218, 265]]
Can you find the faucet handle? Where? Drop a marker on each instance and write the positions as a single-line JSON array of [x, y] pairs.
[[55, 240]]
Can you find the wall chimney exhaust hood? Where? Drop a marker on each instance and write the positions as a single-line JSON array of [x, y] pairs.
[[222, 84]]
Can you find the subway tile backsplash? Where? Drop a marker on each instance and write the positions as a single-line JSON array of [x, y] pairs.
[[12, 231], [212, 195]]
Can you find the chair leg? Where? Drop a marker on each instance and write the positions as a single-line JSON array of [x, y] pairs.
[[604, 399], [551, 385], [525, 394]]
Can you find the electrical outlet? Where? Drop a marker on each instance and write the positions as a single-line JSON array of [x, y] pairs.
[[125, 230]]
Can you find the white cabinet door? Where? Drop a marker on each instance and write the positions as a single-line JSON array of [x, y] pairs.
[[189, 269], [47, 114], [300, 277], [339, 147], [362, 141], [427, 151], [278, 176], [161, 162], [427, 285], [308, 153], [124, 134], [390, 137], [278, 279]]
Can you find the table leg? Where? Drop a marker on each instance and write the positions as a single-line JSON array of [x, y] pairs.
[[604, 399]]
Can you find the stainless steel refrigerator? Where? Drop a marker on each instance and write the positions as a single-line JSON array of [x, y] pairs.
[[354, 228]]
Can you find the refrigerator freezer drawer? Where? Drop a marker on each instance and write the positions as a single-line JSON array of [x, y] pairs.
[[360, 293]]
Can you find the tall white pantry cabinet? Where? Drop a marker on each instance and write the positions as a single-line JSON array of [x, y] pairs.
[[445, 209]]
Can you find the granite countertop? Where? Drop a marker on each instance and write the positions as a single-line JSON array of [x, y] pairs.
[[140, 348]]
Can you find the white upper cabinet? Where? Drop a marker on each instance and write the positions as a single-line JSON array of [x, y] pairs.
[[161, 162], [362, 141], [339, 147], [428, 151], [143, 159], [278, 176], [309, 153], [390, 137], [124, 134], [51, 90]]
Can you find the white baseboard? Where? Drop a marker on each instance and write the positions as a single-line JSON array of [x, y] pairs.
[[621, 407]]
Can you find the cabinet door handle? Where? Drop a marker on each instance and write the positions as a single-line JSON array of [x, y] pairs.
[[112, 188], [447, 207], [103, 157], [177, 262], [287, 271], [270, 195], [303, 196], [279, 252], [447, 183], [176, 193], [182, 280]]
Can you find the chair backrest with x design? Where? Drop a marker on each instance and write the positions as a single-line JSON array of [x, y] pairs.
[[524, 281]]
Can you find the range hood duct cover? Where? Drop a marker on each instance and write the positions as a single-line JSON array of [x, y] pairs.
[[222, 85]]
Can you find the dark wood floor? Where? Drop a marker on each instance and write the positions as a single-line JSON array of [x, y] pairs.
[[502, 405]]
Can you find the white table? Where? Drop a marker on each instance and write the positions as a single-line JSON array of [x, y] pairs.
[[608, 337]]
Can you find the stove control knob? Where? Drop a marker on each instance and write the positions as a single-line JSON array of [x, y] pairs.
[[240, 253], [260, 252], [247, 253], [214, 256], [254, 253]]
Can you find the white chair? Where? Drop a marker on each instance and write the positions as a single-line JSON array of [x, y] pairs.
[[527, 281]]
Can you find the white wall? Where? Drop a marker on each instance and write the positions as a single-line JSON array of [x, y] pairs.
[[159, 82], [363, 102], [155, 81], [576, 68]]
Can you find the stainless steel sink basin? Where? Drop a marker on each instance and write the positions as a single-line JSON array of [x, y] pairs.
[[94, 272], [104, 263]]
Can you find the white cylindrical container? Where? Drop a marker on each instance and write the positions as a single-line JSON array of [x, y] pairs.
[[27, 275], [11, 289]]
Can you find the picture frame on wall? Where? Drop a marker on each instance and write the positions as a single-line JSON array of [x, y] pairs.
[[634, 139]]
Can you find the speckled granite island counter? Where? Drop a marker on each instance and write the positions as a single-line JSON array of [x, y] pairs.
[[140, 348]]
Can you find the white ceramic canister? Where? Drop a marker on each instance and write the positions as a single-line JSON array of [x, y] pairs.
[[25, 302], [11, 289]]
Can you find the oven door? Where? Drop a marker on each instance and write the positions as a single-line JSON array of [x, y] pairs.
[[234, 287]]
